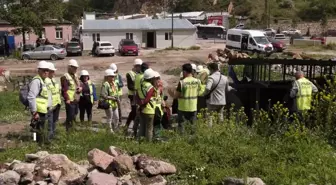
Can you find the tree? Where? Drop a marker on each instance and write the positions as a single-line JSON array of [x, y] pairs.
[[74, 10], [29, 15]]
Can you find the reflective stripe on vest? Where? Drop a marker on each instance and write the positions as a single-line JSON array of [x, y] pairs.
[[158, 100], [190, 88], [304, 94], [145, 87], [112, 91], [138, 78], [72, 87], [42, 98], [132, 74], [116, 80], [91, 90], [55, 91]]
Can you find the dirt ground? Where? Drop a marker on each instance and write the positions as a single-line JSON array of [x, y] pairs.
[[159, 60]]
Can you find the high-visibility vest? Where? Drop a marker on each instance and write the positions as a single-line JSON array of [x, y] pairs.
[[132, 74], [158, 100], [55, 89], [42, 98], [90, 84], [304, 94], [72, 86], [138, 79], [112, 91], [203, 77], [120, 92], [145, 87], [190, 89]]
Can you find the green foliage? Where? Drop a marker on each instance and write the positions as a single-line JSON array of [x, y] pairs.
[[11, 108]]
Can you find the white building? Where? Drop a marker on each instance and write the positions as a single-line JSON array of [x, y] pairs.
[[147, 33]]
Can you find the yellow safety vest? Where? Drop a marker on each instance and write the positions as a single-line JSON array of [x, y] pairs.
[[158, 100], [111, 92], [190, 89], [120, 92], [132, 74], [91, 90], [72, 86], [304, 94], [42, 98], [145, 87], [137, 82], [55, 91]]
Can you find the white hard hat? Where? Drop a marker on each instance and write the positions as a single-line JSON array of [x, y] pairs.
[[199, 68], [73, 63], [149, 73], [193, 66], [52, 66], [157, 74], [138, 61], [109, 72], [114, 67], [43, 65], [84, 73], [181, 75]]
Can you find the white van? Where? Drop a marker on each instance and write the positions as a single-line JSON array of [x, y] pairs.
[[248, 40]]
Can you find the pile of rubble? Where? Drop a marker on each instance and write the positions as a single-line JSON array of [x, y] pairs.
[[115, 167], [223, 56]]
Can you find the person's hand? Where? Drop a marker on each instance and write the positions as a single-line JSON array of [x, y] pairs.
[[36, 116], [79, 89], [68, 102]]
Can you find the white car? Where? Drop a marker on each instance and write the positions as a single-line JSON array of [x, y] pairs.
[[292, 32], [105, 48], [270, 32]]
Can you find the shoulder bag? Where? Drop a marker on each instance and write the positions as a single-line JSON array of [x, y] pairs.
[[207, 96]]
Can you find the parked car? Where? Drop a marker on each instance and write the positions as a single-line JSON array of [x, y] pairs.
[[270, 32], [74, 48], [128, 47], [240, 26], [296, 37], [104, 48], [291, 32], [278, 45], [322, 39], [45, 52], [280, 37]]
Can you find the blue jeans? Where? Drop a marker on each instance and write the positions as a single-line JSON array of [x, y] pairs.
[[71, 112], [41, 130]]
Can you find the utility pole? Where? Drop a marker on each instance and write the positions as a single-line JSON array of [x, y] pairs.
[[172, 28]]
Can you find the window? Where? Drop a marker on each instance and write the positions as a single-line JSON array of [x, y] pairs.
[[93, 37], [129, 36], [105, 44], [168, 36], [43, 33], [27, 36], [59, 33], [48, 49], [98, 37], [252, 41], [39, 48], [235, 38]]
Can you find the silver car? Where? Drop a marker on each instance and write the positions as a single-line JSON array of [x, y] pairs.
[[45, 52]]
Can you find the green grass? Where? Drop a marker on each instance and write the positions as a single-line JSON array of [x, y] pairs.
[[328, 47], [11, 109]]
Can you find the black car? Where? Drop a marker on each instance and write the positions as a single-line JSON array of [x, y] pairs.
[[74, 48]]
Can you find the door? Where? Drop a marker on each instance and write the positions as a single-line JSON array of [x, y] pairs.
[[244, 42], [37, 53], [150, 39], [252, 45], [47, 52]]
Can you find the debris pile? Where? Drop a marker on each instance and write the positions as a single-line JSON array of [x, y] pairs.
[[115, 167], [223, 56]]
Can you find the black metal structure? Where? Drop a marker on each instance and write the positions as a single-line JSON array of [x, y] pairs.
[[261, 83]]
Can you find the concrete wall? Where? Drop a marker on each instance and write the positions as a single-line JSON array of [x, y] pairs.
[[182, 38], [299, 42], [50, 34], [331, 40]]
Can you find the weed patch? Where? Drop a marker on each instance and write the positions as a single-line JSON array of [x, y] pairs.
[[11, 108]]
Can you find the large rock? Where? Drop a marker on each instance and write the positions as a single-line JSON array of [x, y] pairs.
[[9, 178], [123, 164], [154, 167], [71, 172], [115, 152], [27, 178], [3, 168], [254, 181], [101, 179], [101, 160], [37, 156], [55, 176], [233, 181], [156, 180], [23, 168]]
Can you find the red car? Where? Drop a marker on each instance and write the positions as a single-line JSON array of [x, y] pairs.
[[322, 39], [128, 47], [278, 45]]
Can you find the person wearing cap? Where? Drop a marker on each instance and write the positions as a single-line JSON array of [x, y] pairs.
[[202, 75], [187, 92], [109, 92], [146, 101], [40, 101], [130, 77], [71, 93], [55, 88], [120, 85], [88, 96]]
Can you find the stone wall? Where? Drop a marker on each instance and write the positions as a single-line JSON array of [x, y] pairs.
[[315, 27]]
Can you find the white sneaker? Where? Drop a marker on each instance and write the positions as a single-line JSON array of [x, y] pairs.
[[112, 131]]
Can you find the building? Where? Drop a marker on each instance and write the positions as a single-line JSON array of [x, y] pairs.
[[147, 33], [54, 31]]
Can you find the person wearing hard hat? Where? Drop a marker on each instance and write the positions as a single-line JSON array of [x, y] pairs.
[[71, 93], [88, 96], [55, 88], [202, 75], [159, 104], [120, 85], [40, 102], [194, 68], [187, 92], [146, 101], [130, 77], [109, 92]]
